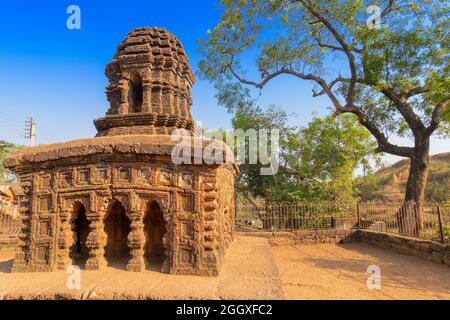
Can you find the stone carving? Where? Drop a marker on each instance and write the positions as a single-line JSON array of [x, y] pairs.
[[117, 199]]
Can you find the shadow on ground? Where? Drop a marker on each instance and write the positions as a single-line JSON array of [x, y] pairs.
[[5, 266]]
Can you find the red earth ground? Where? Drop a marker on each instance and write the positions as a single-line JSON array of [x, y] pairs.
[[252, 270]]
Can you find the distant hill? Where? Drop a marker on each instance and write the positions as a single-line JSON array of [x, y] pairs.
[[389, 183]]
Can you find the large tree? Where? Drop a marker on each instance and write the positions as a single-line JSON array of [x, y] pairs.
[[391, 72]]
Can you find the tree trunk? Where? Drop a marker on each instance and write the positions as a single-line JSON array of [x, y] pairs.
[[410, 216]]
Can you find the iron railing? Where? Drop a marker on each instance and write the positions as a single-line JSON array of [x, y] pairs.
[[430, 221], [9, 221], [287, 216]]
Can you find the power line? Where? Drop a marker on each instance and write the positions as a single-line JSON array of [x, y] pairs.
[[12, 129]]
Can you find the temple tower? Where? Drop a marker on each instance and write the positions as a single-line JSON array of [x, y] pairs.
[[150, 85]]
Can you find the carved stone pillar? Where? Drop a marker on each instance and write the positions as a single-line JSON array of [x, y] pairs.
[[95, 242], [175, 103], [20, 263], [65, 239], [136, 242], [123, 102], [146, 97]]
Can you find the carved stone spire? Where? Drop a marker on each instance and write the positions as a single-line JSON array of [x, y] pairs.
[[150, 84]]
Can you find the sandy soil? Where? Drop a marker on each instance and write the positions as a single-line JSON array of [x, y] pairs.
[[339, 272], [249, 272], [252, 270]]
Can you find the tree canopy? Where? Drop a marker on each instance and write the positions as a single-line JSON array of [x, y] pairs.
[[317, 162], [386, 64]]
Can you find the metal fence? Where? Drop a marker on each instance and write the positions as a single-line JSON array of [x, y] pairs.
[[431, 221], [9, 221], [288, 216]]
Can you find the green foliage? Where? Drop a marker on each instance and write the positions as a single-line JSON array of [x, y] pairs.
[[369, 188], [410, 50], [316, 162], [394, 78], [5, 149], [326, 154]]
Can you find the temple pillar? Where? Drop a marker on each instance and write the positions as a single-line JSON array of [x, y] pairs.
[[136, 242], [123, 96], [175, 106], [95, 242], [65, 239], [22, 253], [146, 96]]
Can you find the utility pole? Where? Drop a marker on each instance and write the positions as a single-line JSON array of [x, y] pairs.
[[30, 131]]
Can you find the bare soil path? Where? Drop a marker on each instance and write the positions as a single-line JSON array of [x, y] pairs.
[[252, 270], [249, 272], [329, 271]]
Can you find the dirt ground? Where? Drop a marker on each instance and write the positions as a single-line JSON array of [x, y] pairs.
[[329, 271], [252, 270], [241, 278]]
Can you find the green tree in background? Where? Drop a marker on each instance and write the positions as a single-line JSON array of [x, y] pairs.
[[327, 153], [317, 162], [393, 76], [5, 149]]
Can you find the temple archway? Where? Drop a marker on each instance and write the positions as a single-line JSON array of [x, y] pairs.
[[117, 227], [135, 94], [154, 229], [79, 224]]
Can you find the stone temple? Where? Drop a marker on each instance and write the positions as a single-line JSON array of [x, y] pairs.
[[118, 199]]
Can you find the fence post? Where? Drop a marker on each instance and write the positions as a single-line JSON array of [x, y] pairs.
[[358, 224], [291, 207], [441, 229]]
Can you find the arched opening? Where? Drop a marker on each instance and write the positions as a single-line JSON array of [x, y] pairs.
[[117, 227], [154, 229], [79, 252], [135, 94]]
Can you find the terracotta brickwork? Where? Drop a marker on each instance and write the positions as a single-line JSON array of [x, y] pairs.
[[150, 85], [118, 199]]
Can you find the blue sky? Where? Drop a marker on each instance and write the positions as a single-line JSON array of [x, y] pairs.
[[57, 75]]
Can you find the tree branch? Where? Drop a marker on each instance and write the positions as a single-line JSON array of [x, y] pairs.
[[269, 76], [329, 46], [405, 109], [417, 90], [330, 86], [345, 47], [383, 143], [436, 117], [389, 8]]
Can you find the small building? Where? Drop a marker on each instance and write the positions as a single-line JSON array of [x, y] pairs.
[[6, 194], [119, 199], [8, 204]]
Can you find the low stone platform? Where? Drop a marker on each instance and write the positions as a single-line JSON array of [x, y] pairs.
[[249, 272]]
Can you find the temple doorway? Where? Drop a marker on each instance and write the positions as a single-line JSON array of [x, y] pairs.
[[117, 227], [80, 230], [154, 229]]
